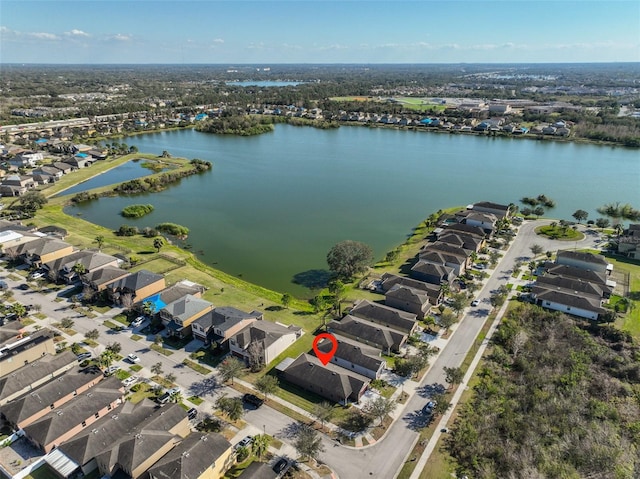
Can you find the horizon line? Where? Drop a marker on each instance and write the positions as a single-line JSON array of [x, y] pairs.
[[327, 63]]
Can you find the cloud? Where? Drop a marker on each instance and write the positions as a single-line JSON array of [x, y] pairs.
[[77, 33], [120, 37], [218, 40]]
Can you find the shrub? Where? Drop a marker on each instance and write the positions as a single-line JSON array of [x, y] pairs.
[[127, 230], [136, 211], [173, 229]]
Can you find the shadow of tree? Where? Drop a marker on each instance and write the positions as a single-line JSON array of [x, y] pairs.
[[205, 387], [416, 420], [274, 308], [313, 278], [429, 390]]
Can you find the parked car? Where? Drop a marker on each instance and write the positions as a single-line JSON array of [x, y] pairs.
[[164, 399], [36, 275], [246, 442], [173, 391], [253, 400], [137, 322], [23, 286], [192, 413], [133, 358], [475, 302], [129, 381], [428, 408], [111, 370], [281, 465], [83, 356], [3, 285]]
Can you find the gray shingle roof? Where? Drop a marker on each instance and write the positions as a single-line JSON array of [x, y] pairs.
[[568, 299], [264, 332], [136, 281], [570, 284], [186, 307], [409, 295], [585, 257], [41, 398], [573, 272], [378, 335], [426, 267], [105, 275], [40, 246], [225, 317], [191, 458], [385, 315], [33, 372], [354, 352], [71, 414], [91, 260]]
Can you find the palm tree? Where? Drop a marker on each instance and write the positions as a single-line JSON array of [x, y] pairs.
[[260, 445], [100, 240]]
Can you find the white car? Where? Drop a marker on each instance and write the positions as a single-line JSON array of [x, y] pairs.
[[475, 302], [36, 275], [133, 358], [129, 381], [173, 391], [137, 322]]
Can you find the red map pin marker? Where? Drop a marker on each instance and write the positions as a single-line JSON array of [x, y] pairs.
[[325, 356]]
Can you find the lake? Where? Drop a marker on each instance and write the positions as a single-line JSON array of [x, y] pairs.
[[274, 204]]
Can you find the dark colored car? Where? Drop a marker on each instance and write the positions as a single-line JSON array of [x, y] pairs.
[[280, 466], [253, 400], [192, 413], [164, 399], [23, 286]]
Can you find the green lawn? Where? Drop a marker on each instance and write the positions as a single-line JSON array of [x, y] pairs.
[[559, 233]]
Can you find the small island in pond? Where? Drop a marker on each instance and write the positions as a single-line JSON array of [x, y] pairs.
[[136, 211]]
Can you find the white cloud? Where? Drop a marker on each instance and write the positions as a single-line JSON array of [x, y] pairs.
[[218, 40], [120, 37], [76, 33]]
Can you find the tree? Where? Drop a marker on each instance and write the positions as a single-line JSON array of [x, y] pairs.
[[157, 369], [100, 241], [267, 385], [157, 339], [538, 211], [580, 215], [307, 442], [170, 377], [92, 334], [260, 444], [18, 309], [232, 407], [546, 201], [255, 353], [286, 300], [526, 212], [230, 368], [497, 299], [379, 408], [114, 347], [323, 412], [442, 405], [453, 376], [616, 211], [458, 302], [349, 258], [106, 358], [79, 268], [447, 319], [529, 201], [158, 243], [148, 308], [536, 249], [32, 201], [67, 323], [494, 257], [603, 223]]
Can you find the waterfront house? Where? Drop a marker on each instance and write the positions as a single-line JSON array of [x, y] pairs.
[[355, 356], [262, 341], [386, 339], [132, 288], [178, 315], [98, 280], [433, 270], [433, 291], [85, 261], [219, 325], [409, 299], [40, 251], [385, 315]]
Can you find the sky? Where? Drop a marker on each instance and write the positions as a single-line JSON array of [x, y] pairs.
[[319, 31]]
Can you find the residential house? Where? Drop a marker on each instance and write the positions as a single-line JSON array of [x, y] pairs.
[[262, 341], [408, 299], [132, 288], [587, 261], [23, 350], [198, 456], [34, 374], [355, 356], [178, 315], [171, 294], [578, 273], [11, 238], [486, 221], [583, 305], [629, 242], [40, 251], [84, 261], [386, 339], [51, 171], [99, 279], [430, 271], [469, 242], [26, 159], [384, 315], [434, 292], [131, 439], [52, 230], [329, 381], [219, 325], [16, 185], [27, 409], [550, 281], [65, 168], [465, 228], [500, 211], [81, 412], [80, 160], [457, 258]]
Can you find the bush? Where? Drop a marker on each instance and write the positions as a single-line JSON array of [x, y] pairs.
[[136, 211], [173, 229], [127, 230]]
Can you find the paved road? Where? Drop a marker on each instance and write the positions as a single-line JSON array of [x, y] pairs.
[[380, 460]]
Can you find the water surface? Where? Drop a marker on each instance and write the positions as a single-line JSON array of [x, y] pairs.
[[274, 204]]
